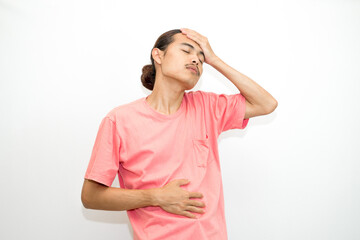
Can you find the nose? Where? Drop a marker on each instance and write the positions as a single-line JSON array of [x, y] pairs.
[[196, 62]]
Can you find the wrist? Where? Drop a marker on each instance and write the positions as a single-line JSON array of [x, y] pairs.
[[153, 196], [214, 60]]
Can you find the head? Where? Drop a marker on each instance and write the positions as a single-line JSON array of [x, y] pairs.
[[172, 57]]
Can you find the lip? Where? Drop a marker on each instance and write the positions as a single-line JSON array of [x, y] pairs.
[[193, 69]]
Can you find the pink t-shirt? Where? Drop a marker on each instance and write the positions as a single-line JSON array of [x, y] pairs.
[[148, 149]]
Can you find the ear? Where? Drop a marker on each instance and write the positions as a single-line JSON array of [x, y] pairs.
[[157, 55]]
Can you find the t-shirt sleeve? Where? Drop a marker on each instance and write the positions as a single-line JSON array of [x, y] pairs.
[[228, 110], [104, 160]]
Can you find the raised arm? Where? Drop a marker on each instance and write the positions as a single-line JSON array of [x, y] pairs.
[[258, 100]]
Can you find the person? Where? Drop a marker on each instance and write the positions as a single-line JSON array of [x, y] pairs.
[[164, 146]]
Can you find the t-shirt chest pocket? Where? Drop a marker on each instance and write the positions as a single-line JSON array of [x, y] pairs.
[[201, 151]]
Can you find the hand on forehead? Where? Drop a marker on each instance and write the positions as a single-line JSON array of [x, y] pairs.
[[201, 42], [181, 38]]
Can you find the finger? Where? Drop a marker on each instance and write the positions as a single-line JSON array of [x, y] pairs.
[[198, 40], [188, 214], [185, 30], [194, 36], [190, 31], [195, 195], [194, 209], [195, 203], [181, 182]]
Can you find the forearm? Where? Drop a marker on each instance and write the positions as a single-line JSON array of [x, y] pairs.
[[116, 199], [252, 91], [171, 198]]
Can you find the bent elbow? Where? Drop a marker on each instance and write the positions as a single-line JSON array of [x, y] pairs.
[[86, 195], [271, 107], [85, 200], [274, 106]]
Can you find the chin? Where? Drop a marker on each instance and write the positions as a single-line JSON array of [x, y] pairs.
[[190, 86], [189, 83]]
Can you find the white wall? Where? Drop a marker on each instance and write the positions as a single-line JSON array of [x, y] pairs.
[[293, 174]]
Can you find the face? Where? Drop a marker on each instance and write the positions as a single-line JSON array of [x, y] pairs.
[[181, 56]]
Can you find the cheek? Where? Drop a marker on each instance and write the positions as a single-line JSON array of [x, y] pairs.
[[173, 67], [170, 69]]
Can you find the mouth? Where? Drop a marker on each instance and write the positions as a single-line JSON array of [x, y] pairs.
[[193, 69]]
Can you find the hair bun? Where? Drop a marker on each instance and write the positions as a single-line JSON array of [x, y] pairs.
[[148, 76]]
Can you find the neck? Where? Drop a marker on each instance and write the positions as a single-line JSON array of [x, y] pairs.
[[166, 96]]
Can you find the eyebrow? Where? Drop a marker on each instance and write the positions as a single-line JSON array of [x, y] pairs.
[[192, 47]]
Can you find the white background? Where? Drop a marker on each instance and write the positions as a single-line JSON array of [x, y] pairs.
[[293, 174]]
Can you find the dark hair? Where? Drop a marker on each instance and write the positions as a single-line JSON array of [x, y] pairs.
[[148, 71]]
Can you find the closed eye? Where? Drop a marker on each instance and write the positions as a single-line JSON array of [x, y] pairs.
[[189, 52]]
